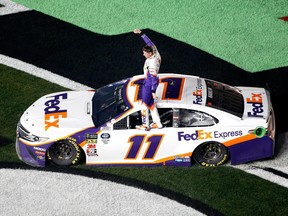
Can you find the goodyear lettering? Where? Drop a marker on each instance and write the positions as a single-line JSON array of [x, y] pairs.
[[256, 102], [225, 157], [198, 93], [53, 111], [202, 135]]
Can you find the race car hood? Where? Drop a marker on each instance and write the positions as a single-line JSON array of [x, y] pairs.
[[59, 114], [256, 102]]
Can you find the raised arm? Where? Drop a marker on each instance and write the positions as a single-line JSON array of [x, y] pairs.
[[144, 37], [148, 41]]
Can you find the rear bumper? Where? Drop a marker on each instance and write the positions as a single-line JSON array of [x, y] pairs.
[[255, 149]]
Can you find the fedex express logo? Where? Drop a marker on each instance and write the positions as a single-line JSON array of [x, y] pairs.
[[201, 135], [53, 112], [256, 102], [198, 93]]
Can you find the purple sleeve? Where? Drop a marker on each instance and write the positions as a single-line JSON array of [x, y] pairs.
[[147, 40]]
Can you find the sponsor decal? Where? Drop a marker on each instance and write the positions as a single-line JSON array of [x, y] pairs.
[[91, 149], [202, 135], [105, 137], [91, 140], [53, 112], [40, 153], [225, 134], [197, 135], [257, 106], [39, 149], [92, 136], [144, 114], [40, 157], [198, 93], [182, 159]]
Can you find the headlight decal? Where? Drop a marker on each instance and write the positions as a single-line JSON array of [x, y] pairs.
[[26, 135]]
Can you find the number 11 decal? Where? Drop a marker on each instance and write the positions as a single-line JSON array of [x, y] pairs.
[[137, 141], [172, 88]]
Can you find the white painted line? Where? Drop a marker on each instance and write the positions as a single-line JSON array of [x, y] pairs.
[[48, 193], [41, 73], [268, 176], [11, 7]]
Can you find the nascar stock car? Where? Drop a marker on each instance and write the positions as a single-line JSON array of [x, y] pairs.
[[204, 121]]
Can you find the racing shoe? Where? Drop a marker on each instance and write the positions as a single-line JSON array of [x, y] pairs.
[[156, 126], [142, 127]]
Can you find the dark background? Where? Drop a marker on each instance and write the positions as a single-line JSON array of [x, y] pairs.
[[96, 60]]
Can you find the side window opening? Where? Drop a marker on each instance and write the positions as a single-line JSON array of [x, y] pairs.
[[170, 118], [193, 118], [166, 116], [134, 119], [130, 122]]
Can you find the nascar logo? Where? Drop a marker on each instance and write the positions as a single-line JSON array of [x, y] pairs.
[[53, 112]]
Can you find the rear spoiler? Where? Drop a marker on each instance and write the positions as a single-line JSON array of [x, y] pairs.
[[256, 102]]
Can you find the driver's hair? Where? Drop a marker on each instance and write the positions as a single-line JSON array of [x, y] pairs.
[[148, 49]]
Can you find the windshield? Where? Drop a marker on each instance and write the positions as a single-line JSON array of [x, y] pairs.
[[108, 102], [224, 97]]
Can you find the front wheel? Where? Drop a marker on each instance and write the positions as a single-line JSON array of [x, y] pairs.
[[64, 153], [211, 154]]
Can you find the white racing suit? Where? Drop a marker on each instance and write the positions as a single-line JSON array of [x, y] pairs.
[[150, 84]]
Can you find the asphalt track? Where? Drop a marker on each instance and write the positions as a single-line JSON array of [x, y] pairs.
[[86, 62]]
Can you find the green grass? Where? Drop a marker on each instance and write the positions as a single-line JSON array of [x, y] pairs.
[[18, 91], [226, 189]]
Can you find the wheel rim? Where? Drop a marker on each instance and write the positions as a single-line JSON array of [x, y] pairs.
[[63, 151], [211, 151]]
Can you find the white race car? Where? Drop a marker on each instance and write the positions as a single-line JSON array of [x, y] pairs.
[[203, 120]]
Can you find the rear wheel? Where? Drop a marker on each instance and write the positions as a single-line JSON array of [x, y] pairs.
[[211, 154], [64, 153]]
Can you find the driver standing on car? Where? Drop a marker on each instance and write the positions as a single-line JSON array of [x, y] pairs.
[[150, 84]]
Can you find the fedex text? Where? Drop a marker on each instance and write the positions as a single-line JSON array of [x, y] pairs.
[[198, 93], [257, 105], [53, 112]]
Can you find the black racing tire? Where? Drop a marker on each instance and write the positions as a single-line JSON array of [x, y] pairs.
[[211, 154], [64, 153]]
